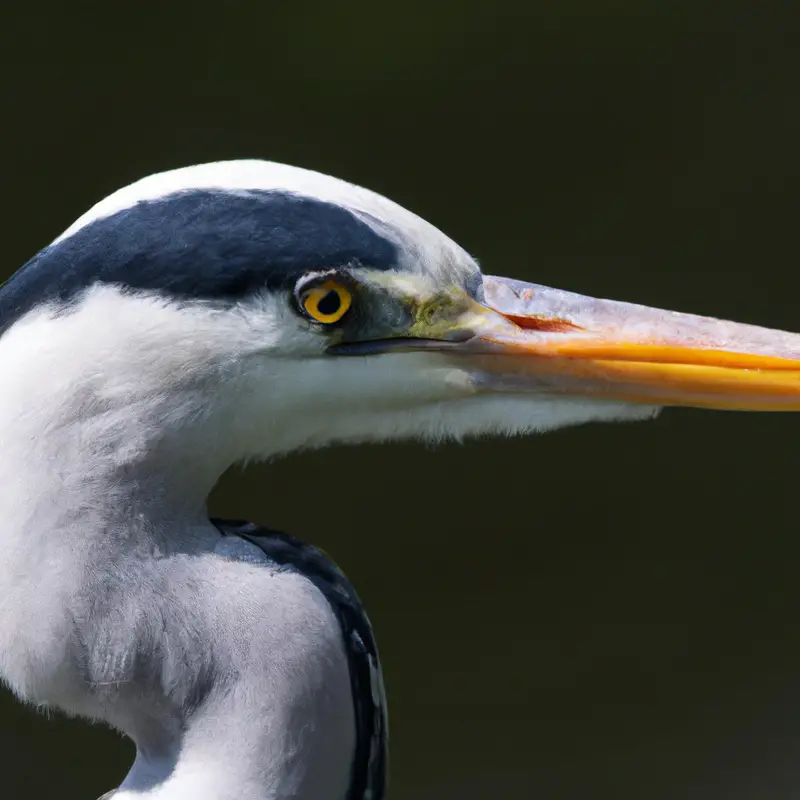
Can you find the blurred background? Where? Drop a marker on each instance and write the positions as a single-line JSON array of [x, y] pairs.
[[606, 611]]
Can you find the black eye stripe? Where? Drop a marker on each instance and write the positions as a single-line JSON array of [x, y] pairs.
[[201, 244]]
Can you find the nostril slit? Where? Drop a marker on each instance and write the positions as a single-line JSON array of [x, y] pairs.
[[542, 323]]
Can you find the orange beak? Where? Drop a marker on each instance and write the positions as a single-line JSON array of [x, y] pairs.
[[533, 338]]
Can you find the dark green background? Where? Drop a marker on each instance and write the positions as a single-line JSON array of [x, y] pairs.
[[608, 611]]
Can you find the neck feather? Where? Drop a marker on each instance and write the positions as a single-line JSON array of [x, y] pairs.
[[230, 679]]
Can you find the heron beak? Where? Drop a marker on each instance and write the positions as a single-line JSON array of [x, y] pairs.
[[530, 337]]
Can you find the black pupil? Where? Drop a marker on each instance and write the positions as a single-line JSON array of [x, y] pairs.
[[329, 303]]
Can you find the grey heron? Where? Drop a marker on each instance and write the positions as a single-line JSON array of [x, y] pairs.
[[240, 310]]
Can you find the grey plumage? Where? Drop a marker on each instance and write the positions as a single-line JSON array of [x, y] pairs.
[[248, 542]]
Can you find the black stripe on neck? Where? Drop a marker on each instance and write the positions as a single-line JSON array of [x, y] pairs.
[[368, 779]]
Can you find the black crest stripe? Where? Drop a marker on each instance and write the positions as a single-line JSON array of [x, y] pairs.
[[200, 244]]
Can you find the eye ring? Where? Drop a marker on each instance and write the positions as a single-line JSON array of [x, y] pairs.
[[326, 302]]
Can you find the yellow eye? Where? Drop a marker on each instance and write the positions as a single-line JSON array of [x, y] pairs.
[[327, 303]]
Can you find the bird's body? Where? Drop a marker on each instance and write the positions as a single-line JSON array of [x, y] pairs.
[[240, 311]]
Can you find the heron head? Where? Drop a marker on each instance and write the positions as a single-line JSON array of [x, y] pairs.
[[273, 308]]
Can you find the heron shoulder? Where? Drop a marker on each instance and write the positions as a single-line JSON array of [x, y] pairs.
[[251, 543]]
